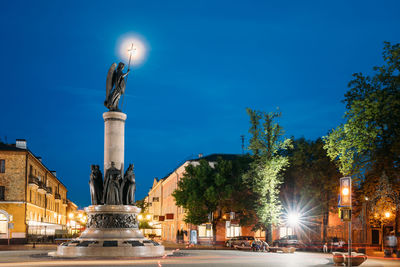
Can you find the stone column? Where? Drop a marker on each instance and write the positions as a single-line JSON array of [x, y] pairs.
[[114, 139]]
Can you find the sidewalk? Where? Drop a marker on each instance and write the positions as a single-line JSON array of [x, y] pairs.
[[184, 246], [28, 247]]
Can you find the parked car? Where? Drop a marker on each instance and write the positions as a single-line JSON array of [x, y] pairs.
[[287, 241], [241, 241]]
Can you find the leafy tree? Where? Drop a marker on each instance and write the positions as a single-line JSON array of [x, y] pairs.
[[368, 143], [209, 188], [311, 181], [265, 174]]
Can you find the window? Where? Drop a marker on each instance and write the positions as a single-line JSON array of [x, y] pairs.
[[2, 166], [156, 199], [2, 192]]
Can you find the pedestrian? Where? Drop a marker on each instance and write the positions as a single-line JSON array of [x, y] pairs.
[[326, 247], [392, 242]]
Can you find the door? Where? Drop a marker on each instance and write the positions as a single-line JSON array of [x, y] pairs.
[[375, 237]]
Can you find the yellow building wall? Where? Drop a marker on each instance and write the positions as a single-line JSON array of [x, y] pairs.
[[17, 211]]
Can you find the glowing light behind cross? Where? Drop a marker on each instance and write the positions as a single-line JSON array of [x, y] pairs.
[[137, 52]]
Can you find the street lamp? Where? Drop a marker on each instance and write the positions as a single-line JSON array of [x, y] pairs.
[[387, 215], [293, 218]]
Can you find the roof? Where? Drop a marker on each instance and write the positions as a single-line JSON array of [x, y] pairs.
[[9, 147], [210, 158], [12, 147], [214, 157]]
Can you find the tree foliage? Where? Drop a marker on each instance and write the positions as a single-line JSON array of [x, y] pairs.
[[311, 181], [367, 145], [265, 174], [212, 188], [369, 139]]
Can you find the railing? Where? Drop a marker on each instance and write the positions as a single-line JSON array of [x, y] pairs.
[[49, 190], [33, 180], [57, 196]]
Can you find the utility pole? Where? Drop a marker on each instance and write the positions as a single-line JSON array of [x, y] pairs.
[[242, 137]]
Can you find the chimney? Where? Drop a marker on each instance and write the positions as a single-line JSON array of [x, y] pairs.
[[200, 155], [20, 143], [54, 173]]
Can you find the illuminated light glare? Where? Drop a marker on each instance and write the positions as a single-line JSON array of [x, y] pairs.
[[70, 215], [151, 223], [387, 214], [137, 52], [140, 217], [293, 218], [80, 215], [148, 216], [366, 198], [345, 191]]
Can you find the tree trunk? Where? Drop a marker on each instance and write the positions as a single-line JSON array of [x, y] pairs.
[[214, 229], [325, 220], [268, 234]]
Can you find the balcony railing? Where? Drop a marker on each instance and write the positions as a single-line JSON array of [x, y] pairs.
[[42, 188], [49, 190], [33, 181]]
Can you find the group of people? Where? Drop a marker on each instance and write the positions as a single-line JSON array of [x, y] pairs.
[[259, 245]]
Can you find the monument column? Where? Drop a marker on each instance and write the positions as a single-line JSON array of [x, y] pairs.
[[114, 139]]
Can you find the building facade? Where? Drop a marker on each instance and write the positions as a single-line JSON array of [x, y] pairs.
[[168, 218], [33, 200]]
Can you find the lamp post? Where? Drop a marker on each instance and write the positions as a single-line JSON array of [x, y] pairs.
[[345, 205]]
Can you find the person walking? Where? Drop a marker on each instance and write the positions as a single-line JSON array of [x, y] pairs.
[[392, 242], [325, 247]]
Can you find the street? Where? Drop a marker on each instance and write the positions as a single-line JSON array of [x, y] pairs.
[[207, 258]]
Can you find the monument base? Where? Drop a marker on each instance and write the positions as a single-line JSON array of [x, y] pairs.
[[112, 231]]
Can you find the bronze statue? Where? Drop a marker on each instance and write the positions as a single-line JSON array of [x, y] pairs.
[[112, 181], [128, 187], [96, 185], [115, 86]]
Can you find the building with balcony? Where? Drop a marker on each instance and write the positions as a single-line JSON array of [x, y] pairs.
[[33, 200]]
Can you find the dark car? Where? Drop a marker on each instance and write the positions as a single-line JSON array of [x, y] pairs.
[[287, 241], [241, 241]]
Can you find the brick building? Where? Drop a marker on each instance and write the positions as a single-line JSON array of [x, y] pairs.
[[168, 218], [33, 200]]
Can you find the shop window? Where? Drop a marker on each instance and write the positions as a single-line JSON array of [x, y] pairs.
[[204, 232], [232, 230]]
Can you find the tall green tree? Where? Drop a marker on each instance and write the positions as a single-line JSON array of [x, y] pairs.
[[209, 190], [264, 177], [367, 145], [311, 181]]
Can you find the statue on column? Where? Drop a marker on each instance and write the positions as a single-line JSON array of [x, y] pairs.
[[128, 187], [96, 185], [115, 86], [112, 184]]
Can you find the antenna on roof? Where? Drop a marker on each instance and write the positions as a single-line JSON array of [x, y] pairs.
[[242, 137]]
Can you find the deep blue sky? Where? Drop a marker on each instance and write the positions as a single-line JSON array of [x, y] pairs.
[[207, 61]]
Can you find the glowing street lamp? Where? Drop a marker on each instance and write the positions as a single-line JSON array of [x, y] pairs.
[[387, 215], [293, 218]]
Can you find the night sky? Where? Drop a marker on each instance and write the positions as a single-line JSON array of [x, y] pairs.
[[206, 61]]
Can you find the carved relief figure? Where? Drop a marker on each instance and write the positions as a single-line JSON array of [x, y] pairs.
[[96, 185], [115, 86], [128, 187]]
